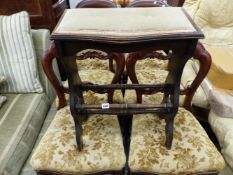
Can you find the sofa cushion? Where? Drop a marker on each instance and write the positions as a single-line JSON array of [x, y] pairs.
[[216, 23], [41, 41], [221, 102], [223, 129], [21, 118], [192, 152], [221, 72], [17, 55], [102, 151]]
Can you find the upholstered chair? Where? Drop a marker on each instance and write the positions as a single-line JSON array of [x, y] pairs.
[[102, 144], [90, 55], [191, 147], [152, 68], [192, 152]]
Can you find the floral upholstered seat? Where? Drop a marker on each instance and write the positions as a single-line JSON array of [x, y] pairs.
[[147, 77], [192, 151], [159, 76], [97, 77], [102, 151]]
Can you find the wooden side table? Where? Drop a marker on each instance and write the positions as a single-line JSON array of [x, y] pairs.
[[125, 31]]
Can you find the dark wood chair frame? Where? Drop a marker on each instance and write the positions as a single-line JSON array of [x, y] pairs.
[[147, 3], [96, 4], [47, 60]]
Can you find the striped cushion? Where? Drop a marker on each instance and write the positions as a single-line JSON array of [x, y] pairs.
[[21, 118], [17, 55], [41, 41]]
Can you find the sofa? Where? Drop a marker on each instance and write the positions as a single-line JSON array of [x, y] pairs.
[[215, 19], [23, 115]]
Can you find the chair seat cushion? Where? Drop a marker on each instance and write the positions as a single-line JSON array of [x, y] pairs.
[[21, 118], [215, 23], [97, 77], [103, 147], [192, 151], [151, 64], [159, 76]]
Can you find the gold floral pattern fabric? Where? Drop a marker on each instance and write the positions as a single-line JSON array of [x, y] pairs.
[[97, 77], [151, 64], [151, 76], [192, 151], [147, 77], [103, 146]]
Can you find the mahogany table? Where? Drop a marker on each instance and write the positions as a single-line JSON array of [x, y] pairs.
[[126, 30]]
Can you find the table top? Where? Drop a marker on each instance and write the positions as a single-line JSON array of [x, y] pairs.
[[126, 24]]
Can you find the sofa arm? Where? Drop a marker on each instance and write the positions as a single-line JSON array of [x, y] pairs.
[[41, 40]]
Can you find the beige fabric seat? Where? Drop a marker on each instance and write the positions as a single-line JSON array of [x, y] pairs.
[[151, 63], [192, 151], [103, 147]]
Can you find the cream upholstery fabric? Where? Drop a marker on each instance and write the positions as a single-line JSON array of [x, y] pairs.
[[200, 97], [192, 151], [223, 129], [111, 21], [221, 102], [215, 19], [191, 6], [221, 72], [103, 148], [97, 77]]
